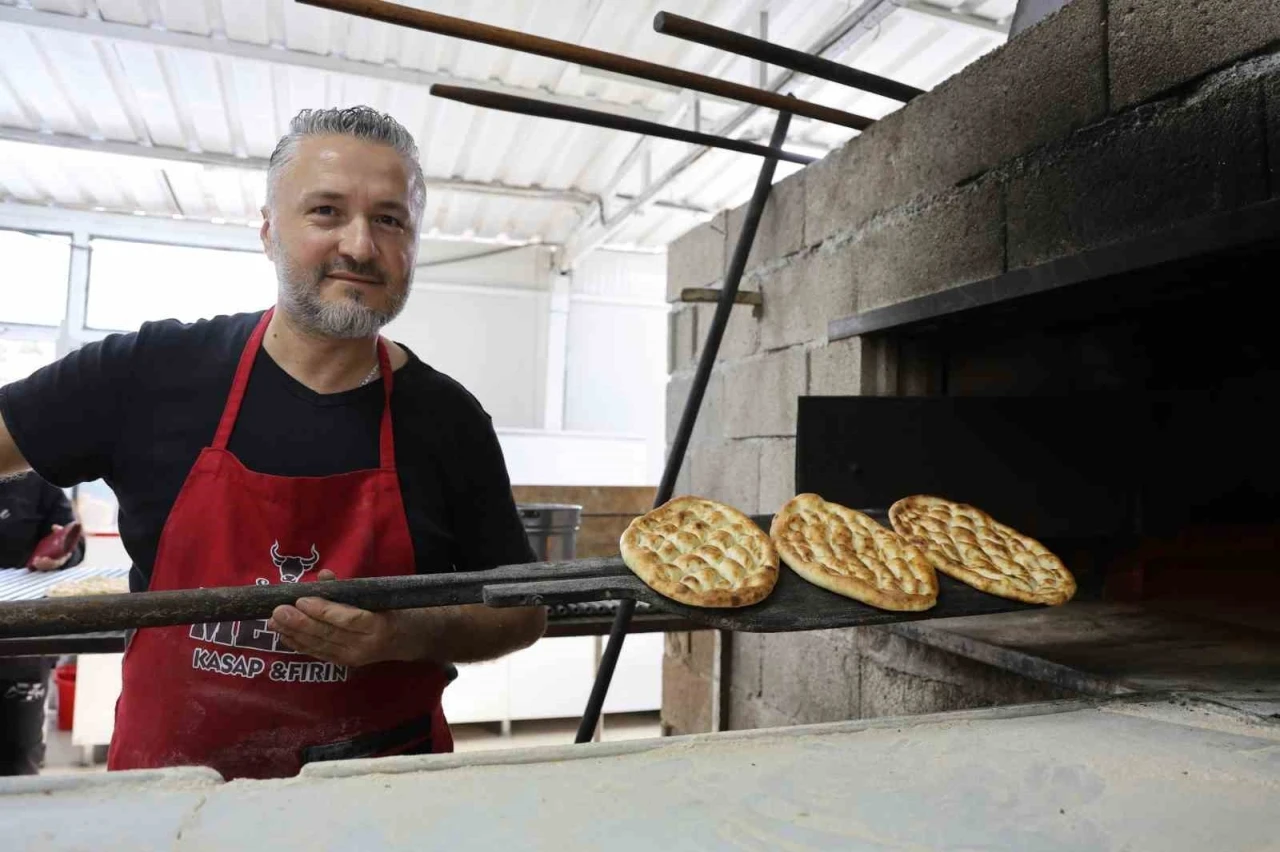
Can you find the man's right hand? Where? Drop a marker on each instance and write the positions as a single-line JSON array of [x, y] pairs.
[[11, 460]]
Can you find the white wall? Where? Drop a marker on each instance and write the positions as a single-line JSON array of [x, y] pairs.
[[479, 314], [578, 400], [616, 369]]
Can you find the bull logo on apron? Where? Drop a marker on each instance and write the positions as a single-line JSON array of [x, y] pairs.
[[293, 567]]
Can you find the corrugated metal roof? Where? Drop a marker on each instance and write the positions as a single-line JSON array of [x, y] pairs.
[[214, 82]]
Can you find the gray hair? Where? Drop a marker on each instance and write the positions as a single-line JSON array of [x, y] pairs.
[[360, 122]]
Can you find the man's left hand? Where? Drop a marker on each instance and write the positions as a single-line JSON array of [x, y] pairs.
[[338, 633]]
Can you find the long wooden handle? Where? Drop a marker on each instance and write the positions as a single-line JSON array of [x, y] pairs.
[[393, 13], [100, 613]]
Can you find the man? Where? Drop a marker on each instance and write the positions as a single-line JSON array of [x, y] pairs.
[[30, 509], [286, 447]]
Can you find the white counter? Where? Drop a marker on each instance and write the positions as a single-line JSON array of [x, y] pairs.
[[1063, 776]]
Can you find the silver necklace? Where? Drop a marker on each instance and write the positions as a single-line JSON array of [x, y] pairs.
[[373, 374]]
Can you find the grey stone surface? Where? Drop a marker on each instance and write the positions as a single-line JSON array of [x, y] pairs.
[[945, 241], [707, 428], [1157, 45], [1176, 776], [836, 369], [777, 473], [746, 662], [781, 230], [1037, 88], [741, 333], [697, 258], [760, 394], [686, 698], [902, 677], [748, 712], [811, 676], [1272, 88], [802, 297], [682, 325], [729, 472], [1140, 172]]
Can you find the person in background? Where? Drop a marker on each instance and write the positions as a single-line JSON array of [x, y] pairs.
[[30, 509]]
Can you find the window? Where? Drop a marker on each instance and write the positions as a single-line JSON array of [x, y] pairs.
[[20, 358], [33, 288], [132, 283]]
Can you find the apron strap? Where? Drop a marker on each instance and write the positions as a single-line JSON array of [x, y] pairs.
[[232, 409], [386, 439]]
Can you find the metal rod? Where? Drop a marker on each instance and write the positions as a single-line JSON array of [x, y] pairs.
[[675, 458], [544, 109], [775, 54], [392, 13], [100, 613]]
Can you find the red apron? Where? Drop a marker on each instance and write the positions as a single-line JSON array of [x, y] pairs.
[[226, 695]]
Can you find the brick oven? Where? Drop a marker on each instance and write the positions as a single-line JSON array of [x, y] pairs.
[[1064, 252]]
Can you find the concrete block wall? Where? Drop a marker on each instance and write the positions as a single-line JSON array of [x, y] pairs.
[[1110, 119]]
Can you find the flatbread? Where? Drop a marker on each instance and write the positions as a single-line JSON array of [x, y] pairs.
[[701, 553], [968, 544], [89, 586], [846, 552]]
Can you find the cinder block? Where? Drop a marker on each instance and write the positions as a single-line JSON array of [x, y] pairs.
[[777, 473], [1157, 45], [802, 297], [811, 676], [900, 677], [746, 658], [836, 369], [707, 428], [781, 230], [704, 647], [697, 258], [682, 325], [1037, 88], [923, 248], [760, 394], [749, 712], [1138, 173], [686, 699], [728, 472], [741, 333]]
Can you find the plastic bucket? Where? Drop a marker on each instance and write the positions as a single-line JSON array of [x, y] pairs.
[[64, 677]]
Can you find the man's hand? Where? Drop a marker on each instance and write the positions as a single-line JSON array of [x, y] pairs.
[[338, 633], [348, 636], [44, 563]]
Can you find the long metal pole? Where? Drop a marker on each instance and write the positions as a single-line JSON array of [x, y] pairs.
[[775, 54], [392, 13], [544, 109], [675, 457]]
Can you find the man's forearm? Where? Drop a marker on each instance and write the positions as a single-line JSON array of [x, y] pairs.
[[468, 634]]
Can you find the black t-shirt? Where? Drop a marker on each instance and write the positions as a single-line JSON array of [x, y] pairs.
[[136, 409]]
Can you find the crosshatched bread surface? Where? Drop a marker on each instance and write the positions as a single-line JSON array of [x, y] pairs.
[[970, 545], [846, 552], [701, 553], [89, 586]]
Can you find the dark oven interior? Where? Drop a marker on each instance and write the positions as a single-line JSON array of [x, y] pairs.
[[1127, 422]]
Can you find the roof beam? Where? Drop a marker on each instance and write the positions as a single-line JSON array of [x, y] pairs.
[[163, 154], [976, 22], [94, 28], [594, 229]]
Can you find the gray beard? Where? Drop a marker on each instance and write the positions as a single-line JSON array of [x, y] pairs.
[[347, 318]]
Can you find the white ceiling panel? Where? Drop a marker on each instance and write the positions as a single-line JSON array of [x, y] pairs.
[[153, 105]]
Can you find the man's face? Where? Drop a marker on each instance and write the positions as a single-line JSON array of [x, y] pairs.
[[341, 236]]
